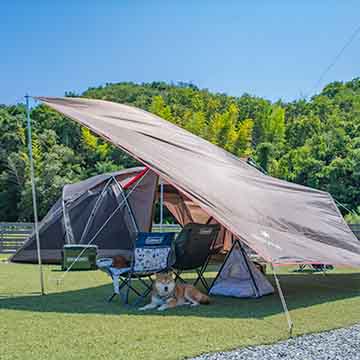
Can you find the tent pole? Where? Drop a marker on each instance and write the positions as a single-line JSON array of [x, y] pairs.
[[257, 292], [161, 204], [283, 302], [69, 236], [132, 217], [94, 209], [28, 120]]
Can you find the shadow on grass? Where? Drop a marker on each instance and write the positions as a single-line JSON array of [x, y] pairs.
[[301, 291]]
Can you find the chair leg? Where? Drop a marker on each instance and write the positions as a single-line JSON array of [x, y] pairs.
[[138, 293], [202, 279], [128, 288], [125, 286], [124, 283], [201, 272], [197, 278], [144, 295], [178, 277], [127, 282], [145, 284]]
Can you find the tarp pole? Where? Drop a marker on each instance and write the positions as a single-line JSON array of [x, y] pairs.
[[31, 160], [161, 204], [283, 302]]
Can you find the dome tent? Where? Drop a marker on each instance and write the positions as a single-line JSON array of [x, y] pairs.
[[100, 210], [79, 199], [239, 277]]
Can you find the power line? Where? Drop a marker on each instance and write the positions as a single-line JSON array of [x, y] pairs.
[[336, 58]]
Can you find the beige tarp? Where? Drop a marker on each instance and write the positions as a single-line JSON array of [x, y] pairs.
[[284, 222]]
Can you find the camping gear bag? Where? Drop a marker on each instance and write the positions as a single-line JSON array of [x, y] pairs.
[[79, 257]]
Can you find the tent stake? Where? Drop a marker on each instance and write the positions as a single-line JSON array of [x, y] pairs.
[[283, 302], [161, 204], [34, 193]]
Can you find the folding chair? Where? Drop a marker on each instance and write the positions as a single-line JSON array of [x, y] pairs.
[[153, 252], [194, 247]]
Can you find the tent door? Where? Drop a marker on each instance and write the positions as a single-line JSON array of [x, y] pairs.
[[238, 277], [256, 289]]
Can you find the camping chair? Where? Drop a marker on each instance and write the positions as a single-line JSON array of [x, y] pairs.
[[194, 247], [153, 252]]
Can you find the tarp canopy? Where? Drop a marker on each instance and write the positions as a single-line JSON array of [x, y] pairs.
[[283, 222]]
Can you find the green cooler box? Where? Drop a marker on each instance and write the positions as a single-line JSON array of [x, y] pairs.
[[86, 261]]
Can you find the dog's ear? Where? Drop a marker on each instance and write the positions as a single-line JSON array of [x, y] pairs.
[[159, 276]]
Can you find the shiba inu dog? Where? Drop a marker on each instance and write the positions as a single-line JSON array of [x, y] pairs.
[[167, 294]]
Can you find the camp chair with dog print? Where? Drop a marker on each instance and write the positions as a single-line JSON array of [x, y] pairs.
[[152, 253]]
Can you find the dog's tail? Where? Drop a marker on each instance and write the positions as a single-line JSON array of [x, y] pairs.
[[205, 300]]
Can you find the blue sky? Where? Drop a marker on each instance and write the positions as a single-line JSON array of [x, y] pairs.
[[276, 49]]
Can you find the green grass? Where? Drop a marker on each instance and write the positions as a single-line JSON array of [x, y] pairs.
[[74, 321]]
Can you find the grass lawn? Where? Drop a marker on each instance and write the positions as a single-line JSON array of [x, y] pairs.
[[74, 320]]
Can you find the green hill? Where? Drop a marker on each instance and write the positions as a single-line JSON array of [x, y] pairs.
[[313, 142]]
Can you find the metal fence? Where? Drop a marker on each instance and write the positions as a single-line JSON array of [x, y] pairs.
[[13, 235], [166, 228]]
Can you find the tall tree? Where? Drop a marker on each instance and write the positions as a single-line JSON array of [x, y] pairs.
[[313, 142], [196, 123], [243, 145], [227, 134], [158, 107]]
